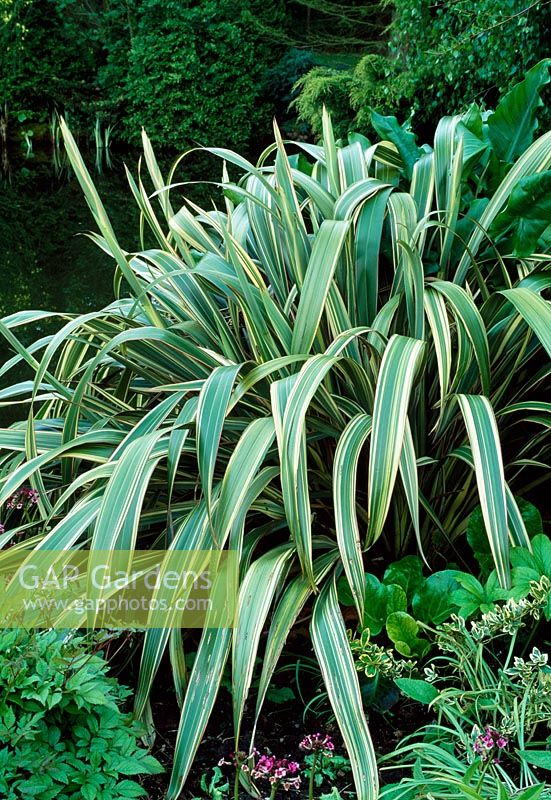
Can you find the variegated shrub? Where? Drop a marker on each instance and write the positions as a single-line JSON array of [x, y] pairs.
[[336, 354]]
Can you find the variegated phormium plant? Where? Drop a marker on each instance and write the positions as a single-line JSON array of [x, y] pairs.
[[334, 355]]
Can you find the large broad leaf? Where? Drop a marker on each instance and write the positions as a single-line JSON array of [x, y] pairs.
[[478, 541], [341, 680], [527, 213], [418, 690], [538, 758], [407, 573], [379, 601], [474, 597], [433, 602], [403, 632], [528, 567], [390, 129], [511, 127], [536, 159], [542, 553]]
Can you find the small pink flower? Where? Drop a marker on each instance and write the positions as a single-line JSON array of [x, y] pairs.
[[318, 743], [235, 760], [488, 744], [278, 771], [22, 497]]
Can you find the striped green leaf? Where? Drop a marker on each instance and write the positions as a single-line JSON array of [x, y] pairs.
[[341, 681], [345, 469], [256, 595], [293, 600], [291, 399], [319, 274], [204, 682], [470, 320], [488, 465], [392, 396], [242, 467], [535, 311], [211, 411]]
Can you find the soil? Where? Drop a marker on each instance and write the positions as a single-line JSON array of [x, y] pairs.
[[280, 729]]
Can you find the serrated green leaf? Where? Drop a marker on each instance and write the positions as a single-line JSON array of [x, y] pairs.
[[403, 631]]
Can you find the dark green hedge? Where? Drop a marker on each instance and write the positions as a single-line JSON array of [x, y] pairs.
[[187, 70]]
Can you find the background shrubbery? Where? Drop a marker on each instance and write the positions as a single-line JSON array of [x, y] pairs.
[[338, 365], [194, 72], [441, 57], [189, 72], [206, 59], [346, 357]]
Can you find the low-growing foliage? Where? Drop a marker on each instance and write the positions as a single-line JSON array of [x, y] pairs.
[[405, 609], [434, 598], [63, 733], [490, 690], [329, 361], [213, 786]]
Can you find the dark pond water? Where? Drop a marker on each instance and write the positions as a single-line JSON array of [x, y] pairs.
[[45, 260]]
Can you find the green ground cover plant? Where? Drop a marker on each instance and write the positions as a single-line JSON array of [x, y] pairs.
[[488, 685], [63, 731], [403, 608], [344, 356]]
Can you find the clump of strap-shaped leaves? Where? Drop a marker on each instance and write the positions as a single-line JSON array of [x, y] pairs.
[[334, 355]]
